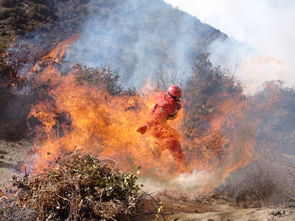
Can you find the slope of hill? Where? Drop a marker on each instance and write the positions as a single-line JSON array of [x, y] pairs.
[[121, 33], [142, 38]]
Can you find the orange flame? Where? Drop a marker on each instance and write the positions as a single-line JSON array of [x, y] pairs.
[[106, 125], [58, 53]]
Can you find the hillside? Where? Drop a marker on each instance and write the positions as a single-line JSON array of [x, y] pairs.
[[123, 33]]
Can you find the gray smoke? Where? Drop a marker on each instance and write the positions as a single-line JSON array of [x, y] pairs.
[[140, 38]]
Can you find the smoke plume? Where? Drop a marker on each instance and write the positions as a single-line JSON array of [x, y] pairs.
[[140, 39], [265, 26]]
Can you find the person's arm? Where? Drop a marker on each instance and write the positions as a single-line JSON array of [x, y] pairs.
[[159, 114]]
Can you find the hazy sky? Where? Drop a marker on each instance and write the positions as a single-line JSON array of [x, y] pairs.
[[266, 25]]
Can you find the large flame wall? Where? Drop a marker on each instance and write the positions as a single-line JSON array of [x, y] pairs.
[[105, 125]]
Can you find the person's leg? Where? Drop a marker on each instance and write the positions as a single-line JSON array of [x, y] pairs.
[[157, 149], [175, 149], [167, 139]]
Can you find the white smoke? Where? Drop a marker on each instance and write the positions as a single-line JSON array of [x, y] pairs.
[[140, 38], [267, 26], [137, 38], [194, 183]]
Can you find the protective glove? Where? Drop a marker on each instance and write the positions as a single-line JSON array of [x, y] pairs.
[[142, 129]]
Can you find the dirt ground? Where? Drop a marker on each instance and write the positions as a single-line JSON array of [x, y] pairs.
[[219, 210], [263, 214], [12, 158], [13, 155]]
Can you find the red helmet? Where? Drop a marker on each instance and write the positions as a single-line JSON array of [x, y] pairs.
[[174, 91]]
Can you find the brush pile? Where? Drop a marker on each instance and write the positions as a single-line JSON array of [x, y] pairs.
[[80, 187]]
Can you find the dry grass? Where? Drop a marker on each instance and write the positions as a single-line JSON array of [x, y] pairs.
[[264, 182]]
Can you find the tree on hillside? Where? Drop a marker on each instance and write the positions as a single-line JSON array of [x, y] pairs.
[[207, 87]]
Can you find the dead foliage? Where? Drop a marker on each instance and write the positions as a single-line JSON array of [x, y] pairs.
[[80, 187], [267, 181]]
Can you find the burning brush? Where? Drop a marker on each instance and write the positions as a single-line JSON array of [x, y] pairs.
[[85, 109]]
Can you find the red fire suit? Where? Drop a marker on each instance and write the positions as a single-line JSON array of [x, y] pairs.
[[165, 108]]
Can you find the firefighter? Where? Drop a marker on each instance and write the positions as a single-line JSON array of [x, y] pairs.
[[166, 107]]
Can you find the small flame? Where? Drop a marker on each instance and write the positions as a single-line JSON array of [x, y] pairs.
[[57, 54]]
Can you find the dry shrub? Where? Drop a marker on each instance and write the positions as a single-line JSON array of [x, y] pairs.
[[104, 77], [80, 187], [205, 90], [256, 188], [266, 181]]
